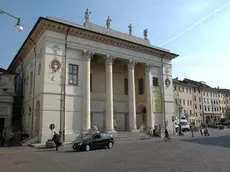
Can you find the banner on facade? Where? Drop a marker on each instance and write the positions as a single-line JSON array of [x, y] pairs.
[[156, 98]]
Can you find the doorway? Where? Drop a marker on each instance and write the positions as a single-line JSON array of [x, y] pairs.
[[2, 124], [141, 117]]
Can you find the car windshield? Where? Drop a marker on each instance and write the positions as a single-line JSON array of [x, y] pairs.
[[183, 123], [87, 137]]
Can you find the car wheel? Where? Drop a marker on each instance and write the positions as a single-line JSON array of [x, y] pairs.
[[87, 148], [110, 145]]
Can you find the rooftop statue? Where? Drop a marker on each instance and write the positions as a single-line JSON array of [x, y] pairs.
[[108, 21], [130, 29], [87, 14], [146, 33]]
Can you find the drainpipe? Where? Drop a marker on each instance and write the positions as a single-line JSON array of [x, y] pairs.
[[163, 94], [33, 89], [63, 94]]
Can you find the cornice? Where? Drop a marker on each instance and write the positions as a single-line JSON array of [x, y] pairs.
[[90, 35], [48, 24]]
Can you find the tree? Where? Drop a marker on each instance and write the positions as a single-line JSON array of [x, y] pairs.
[[227, 115]]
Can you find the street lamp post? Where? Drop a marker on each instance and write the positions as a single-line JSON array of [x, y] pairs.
[[18, 27], [179, 111]]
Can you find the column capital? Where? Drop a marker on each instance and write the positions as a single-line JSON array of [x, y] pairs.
[[109, 59], [88, 55], [132, 63], [148, 67]]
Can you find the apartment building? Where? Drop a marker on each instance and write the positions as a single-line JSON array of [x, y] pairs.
[[188, 96], [207, 103], [211, 104], [224, 101]]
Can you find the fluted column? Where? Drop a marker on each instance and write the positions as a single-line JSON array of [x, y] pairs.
[[109, 122], [148, 94], [86, 109], [132, 96]]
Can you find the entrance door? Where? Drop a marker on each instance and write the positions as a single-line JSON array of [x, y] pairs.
[[97, 120], [2, 123]]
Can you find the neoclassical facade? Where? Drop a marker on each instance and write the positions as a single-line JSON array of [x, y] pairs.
[[77, 76]]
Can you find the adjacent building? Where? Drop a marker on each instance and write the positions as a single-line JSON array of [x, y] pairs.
[[76, 76], [199, 101], [7, 94]]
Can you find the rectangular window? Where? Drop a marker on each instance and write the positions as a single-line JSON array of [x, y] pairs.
[[188, 102], [155, 81], [73, 74], [126, 86], [141, 86]]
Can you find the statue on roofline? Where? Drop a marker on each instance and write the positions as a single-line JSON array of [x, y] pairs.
[[87, 14], [108, 21], [146, 33], [130, 29]]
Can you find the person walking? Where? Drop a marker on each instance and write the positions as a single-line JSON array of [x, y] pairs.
[[150, 133], [206, 132], [56, 139], [166, 133], [192, 128]]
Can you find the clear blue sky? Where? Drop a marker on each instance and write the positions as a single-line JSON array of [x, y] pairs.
[[198, 30]]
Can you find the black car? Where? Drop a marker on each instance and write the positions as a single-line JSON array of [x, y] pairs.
[[94, 141]]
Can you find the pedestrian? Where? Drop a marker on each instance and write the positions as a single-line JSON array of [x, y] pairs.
[[159, 130], [201, 133], [192, 129], [56, 139], [11, 139], [166, 133], [206, 132], [150, 133]]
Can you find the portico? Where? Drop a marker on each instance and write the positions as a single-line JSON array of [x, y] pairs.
[[106, 62]]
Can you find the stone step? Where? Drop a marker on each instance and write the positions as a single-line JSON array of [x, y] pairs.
[[127, 136]]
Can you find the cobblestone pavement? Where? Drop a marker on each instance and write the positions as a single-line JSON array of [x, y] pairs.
[[184, 154]]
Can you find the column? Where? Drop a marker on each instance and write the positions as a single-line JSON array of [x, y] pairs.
[[86, 109], [148, 94], [132, 96], [109, 123]]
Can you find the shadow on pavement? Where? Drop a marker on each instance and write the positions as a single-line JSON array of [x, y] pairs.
[[221, 141]]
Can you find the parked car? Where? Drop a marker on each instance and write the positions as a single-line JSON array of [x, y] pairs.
[[94, 141]]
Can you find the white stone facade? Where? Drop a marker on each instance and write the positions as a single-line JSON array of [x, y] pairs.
[[96, 94]]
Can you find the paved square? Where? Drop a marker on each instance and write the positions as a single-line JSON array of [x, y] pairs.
[[185, 154]]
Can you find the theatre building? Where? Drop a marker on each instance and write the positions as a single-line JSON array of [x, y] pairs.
[[75, 76]]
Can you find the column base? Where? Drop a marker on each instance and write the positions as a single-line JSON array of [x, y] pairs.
[[134, 130], [111, 131]]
